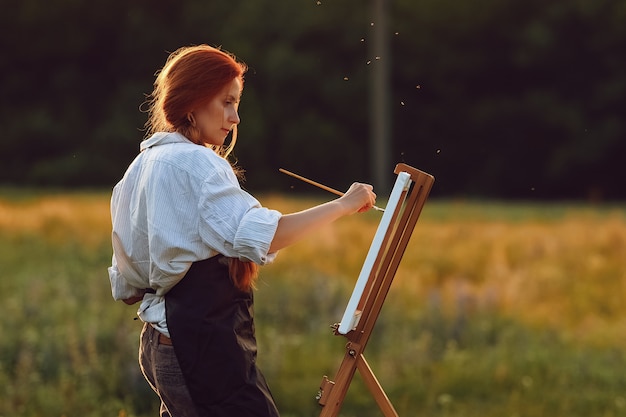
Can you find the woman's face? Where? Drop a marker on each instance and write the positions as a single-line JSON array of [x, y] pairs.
[[219, 116]]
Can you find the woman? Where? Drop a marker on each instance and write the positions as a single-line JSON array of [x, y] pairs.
[[188, 240]]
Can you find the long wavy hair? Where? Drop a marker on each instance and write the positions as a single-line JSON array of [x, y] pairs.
[[191, 77]]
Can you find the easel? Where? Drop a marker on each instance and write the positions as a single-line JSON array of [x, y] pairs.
[[393, 234]]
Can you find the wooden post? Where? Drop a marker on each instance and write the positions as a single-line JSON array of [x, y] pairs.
[[380, 111]]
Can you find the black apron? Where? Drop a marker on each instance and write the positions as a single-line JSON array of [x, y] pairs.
[[211, 324]]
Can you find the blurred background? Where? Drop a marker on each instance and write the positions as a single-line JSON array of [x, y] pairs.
[[509, 299], [520, 99]]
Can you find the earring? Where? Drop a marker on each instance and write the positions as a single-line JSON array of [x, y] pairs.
[[191, 119]]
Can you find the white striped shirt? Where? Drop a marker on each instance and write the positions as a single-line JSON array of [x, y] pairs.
[[179, 203]]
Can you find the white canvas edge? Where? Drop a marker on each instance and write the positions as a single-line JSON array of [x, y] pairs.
[[350, 316]]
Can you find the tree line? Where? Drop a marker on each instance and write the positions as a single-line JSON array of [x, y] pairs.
[[513, 99]]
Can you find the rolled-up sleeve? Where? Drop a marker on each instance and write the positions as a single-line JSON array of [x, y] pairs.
[[234, 223], [120, 288], [255, 234]]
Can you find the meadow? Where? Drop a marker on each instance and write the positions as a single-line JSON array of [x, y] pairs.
[[498, 309]]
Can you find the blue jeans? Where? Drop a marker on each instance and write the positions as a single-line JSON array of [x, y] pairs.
[[161, 369]]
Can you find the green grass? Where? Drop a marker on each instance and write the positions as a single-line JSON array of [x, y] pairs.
[[497, 310]]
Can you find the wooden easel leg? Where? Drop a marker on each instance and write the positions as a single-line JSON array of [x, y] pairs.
[[336, 391], [333, 401], [333, 393], [375, 388]]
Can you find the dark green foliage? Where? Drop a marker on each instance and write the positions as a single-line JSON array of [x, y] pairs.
[[522, 98]]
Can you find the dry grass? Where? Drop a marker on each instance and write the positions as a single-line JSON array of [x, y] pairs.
[[496, 310], [58, 218], [551, 265], [562, 266]]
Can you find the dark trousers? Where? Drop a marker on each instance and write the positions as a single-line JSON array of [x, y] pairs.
[[160, 367]]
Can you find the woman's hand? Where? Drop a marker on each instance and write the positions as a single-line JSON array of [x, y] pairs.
[[359, 198], [135, 299]]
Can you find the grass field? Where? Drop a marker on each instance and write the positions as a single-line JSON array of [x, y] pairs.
[[511, 310]]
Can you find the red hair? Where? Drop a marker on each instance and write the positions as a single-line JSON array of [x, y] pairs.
[[191, 77]]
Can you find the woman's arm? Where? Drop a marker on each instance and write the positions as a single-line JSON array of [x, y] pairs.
[[295, 226]]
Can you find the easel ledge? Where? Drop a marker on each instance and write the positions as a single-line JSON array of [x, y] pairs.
[[396, 237]]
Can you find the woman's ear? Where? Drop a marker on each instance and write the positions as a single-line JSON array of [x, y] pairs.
[[191, 119]]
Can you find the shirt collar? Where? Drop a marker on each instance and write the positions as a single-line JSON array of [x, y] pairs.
[[162, 138]]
